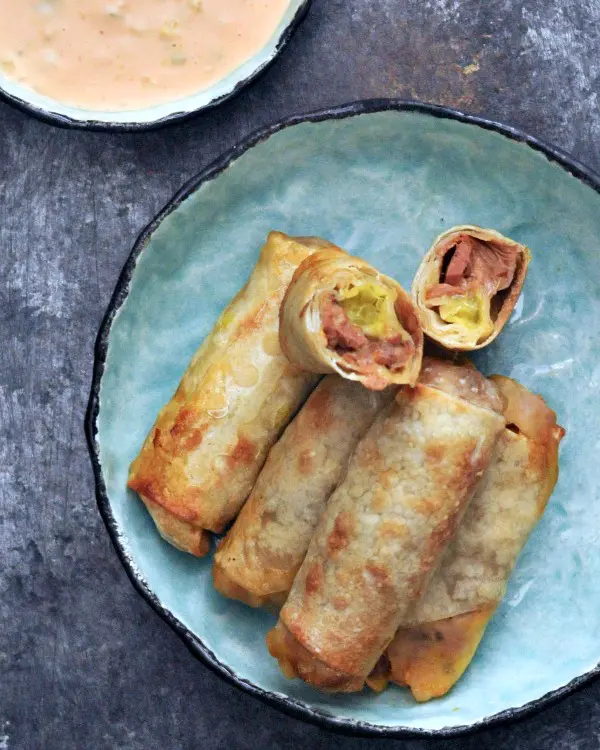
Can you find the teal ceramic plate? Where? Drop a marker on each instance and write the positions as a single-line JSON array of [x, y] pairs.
[[63, 114], [381, 179]]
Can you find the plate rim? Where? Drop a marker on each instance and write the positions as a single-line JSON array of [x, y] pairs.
[[60, 120], [295, 708]]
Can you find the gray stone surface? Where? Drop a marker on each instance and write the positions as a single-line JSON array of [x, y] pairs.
[[84, 662]]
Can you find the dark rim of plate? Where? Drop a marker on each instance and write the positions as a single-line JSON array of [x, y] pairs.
[[292, 707], [64, 121]]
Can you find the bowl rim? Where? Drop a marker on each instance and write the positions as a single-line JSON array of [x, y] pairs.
[[287, 705], [122, 126]]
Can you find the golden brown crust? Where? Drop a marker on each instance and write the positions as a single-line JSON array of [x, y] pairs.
[[296, 661], [379, 539], [463, 380], [428, 274], [202, 456], [430, 658], [527, 412], [380, 675], [179, 533], [261, 554], [438, 639], [301, 329], [226, 585]]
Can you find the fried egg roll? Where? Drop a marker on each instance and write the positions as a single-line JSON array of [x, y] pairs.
[[208, 444], [467, 286], [341, 315], [260, 556], [386, 526], [431, 652]]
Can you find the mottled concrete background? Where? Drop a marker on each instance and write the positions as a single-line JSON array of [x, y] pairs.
[[84, 662]]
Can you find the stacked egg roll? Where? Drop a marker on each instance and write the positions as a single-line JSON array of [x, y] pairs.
[[385, 527], [437, 641], [341, 315], [260, 556], [208, 444], [467, 286]]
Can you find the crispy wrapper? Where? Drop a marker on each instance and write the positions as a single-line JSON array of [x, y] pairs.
[[439, 638], [260, 556], [332, 273], [208, 444], [386, 526], [472, 333]]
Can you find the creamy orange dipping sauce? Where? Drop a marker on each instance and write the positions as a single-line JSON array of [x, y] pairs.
[[127, 54]]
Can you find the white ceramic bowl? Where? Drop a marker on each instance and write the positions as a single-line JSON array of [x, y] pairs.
[[59, 113]]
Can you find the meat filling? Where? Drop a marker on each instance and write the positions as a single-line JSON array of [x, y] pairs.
[[359, 350], [472, 266]]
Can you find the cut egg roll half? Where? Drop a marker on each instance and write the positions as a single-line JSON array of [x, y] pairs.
[[208, 444], [467, 286], [437, 642], [340, 315]]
